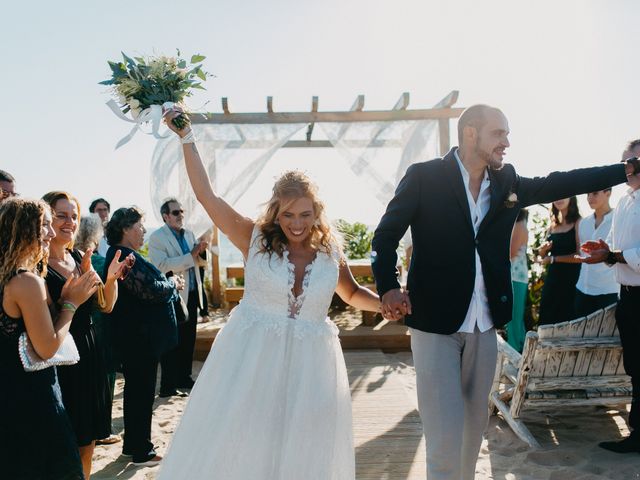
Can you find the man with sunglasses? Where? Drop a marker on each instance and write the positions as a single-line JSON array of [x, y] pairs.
[[173, 249], [7, 186], [621, 252]]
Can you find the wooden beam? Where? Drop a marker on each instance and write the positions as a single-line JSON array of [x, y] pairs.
[[225, 107], [444, 132], [314, 108], [216, 291], [270, 104], [449, 100], [317, 117], [303, 143], [358, 105], [403, 102]]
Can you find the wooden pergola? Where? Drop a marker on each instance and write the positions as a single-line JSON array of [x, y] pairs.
[[443, 112]]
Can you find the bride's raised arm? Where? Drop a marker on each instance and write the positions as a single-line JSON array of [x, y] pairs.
[[235, 226]]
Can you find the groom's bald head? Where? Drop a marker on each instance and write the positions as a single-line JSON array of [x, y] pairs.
[[476, 117]]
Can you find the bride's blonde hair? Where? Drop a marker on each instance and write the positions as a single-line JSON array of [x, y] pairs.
[[291, 186]]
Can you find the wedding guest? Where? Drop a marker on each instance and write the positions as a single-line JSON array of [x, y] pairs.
[[597, 287], [559, 289], [144, 328], [7, 186], [31, 402], [89, 235], [102, 208], [516, 329], [85, 386], [459, 282], [622, 253], [173, 248]]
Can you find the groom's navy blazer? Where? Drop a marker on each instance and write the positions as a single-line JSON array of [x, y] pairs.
[[432, 201]]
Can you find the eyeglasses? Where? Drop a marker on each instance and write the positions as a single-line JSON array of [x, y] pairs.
[[175, 213], [7, 193]]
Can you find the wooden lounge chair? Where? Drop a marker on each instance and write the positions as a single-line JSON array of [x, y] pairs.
[[571, 363]]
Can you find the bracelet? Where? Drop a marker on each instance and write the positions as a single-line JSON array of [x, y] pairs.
[[553, 259], [68, 306], [188, 138]]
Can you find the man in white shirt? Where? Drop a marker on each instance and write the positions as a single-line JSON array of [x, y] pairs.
[[622, 253], [597, 287]]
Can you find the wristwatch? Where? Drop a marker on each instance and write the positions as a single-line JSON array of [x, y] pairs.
[[611, 258]]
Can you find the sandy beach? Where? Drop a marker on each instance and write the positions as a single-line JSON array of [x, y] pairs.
[[568, 437]]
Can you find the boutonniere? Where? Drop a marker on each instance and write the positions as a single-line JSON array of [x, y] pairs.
[[512, 200]]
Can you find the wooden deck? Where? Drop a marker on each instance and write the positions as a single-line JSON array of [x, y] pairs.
[[387, 429]]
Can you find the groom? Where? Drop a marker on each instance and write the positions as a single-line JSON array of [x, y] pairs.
[[461, 210]]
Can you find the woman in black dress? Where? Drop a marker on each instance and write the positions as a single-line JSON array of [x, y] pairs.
[[558, 292], [85, 387], [31, 404], [144, 327]]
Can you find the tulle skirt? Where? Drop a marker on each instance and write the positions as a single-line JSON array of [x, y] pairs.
[[272, 402]]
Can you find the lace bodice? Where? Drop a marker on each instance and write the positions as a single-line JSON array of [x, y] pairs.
[[269, 284]]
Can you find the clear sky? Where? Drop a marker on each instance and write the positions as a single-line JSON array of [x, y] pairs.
[[565, 73]]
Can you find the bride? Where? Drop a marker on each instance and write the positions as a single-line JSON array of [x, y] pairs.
[[272, 401]]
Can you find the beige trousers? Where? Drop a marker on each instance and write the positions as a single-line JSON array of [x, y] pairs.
[[454, 374]]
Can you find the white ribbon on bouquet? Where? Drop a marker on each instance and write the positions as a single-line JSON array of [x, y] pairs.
[[152, 114]]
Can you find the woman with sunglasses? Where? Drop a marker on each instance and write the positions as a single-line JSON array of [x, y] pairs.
[[85, 386], [31, 403], [144, 328]]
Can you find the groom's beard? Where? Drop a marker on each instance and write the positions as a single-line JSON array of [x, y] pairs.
[[488, 158]]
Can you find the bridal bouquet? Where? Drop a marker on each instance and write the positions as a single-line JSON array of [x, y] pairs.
[[145, 86]]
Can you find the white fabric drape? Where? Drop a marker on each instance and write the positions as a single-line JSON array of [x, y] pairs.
[[361, 144], [357, 177]]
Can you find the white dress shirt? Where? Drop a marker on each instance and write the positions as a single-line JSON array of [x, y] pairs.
[[478, 313], [625, 236], [596, 278]]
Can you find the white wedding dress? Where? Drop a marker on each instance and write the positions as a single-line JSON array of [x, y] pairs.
[[272, 401]]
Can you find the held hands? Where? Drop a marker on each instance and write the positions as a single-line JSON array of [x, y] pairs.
[[396, 304], [77, 290], [596, 251]]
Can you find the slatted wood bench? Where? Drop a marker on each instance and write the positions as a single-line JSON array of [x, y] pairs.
[[571, 363]]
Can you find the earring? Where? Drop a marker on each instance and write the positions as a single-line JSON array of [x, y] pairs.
[[276, 222]]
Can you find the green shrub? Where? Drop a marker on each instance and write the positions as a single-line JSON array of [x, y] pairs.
[[356, 239]]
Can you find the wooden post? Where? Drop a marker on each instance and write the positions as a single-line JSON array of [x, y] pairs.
[[216, 293]]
